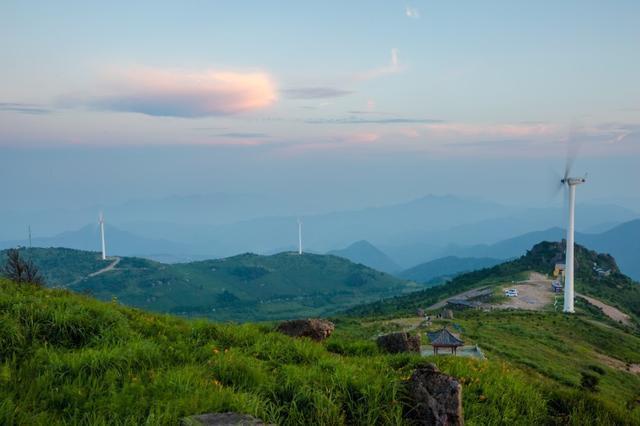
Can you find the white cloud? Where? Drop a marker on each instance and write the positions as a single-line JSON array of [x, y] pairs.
[[412, 12], [394, 67]]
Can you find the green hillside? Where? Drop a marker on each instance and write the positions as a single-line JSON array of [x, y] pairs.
[[615, 288], [66, 358], [247, 287]]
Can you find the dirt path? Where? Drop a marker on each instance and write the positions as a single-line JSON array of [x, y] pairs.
[[106, 269], [613, 313], [617, 364]]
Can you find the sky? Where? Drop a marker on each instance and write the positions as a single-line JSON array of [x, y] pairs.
[[343, 103]]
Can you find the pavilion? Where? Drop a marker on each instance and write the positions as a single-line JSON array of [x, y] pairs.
[[444, 339]]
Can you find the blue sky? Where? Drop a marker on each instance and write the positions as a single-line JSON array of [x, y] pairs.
[[274, 90]]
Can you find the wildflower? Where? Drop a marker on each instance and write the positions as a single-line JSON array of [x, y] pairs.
[[216, 351], [482, 398]]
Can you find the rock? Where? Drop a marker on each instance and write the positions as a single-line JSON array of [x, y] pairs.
[[317, 329], [420, 312], [433, 398], [222, 419], [399, 342]]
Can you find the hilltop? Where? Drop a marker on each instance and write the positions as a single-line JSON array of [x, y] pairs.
[[246, 287], [614, 288]]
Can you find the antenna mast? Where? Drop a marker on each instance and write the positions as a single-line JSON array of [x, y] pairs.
[[104, 249], [299, 237]]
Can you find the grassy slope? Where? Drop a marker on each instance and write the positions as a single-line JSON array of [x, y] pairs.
[[67, 358], [242, 288], [554, 350]]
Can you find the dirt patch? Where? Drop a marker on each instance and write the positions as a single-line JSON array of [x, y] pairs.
[[533, 294], [617, 364], [613, 313]]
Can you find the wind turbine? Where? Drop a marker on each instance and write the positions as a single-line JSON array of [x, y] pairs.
[[104, 249], [571, 183], [299, 236]]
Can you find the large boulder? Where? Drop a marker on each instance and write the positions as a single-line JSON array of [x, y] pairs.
[[399, 342], [316, 329], [222, 419], [433, 398]]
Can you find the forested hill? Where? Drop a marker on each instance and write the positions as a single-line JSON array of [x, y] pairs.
[[246, 287]]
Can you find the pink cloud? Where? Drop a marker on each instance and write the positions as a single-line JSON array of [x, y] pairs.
[[362, 137], [159, 92]]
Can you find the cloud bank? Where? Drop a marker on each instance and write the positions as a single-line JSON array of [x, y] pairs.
[[315, 93], [383, 120], [23, 108], [170, 93]]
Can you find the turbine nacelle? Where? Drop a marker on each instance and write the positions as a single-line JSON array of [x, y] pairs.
[[572, 181]]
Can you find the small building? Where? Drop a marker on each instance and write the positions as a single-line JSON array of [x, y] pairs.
[[556, 287], [444, 339], [446, 314], [462, 304], [558, 271]]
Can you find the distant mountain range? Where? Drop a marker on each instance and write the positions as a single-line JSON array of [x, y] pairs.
[[246, 287], [367, 254], [399, 236]]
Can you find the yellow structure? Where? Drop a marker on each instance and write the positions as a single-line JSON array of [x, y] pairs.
[[558, 271]]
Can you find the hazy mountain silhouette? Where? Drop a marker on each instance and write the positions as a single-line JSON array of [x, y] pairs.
[[367, 254]]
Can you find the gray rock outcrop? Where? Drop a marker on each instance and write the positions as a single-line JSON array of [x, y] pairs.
[[316, 329], [399, 342], [433, 398]]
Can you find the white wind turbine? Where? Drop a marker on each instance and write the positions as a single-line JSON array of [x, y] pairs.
[[570, 183], [299, 236], [104, 249]]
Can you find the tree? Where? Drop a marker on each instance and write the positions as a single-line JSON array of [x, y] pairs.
[[21, 270]]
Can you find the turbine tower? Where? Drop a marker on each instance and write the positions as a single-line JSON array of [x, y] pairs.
[[571, 183], [104, 249], [299, 236]]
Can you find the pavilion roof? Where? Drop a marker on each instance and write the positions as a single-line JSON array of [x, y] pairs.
[[444, 338]]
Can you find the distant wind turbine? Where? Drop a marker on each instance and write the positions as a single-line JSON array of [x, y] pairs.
[[104, 249], [299, 236], [571, 184]]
